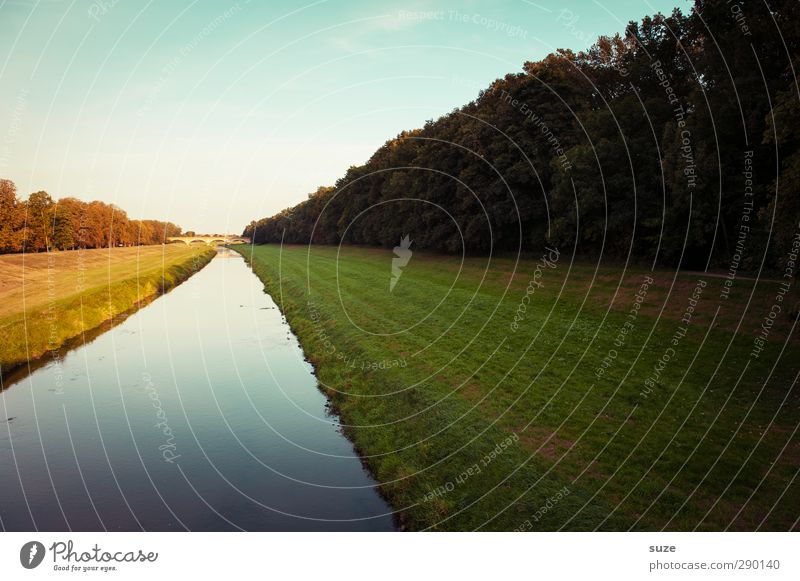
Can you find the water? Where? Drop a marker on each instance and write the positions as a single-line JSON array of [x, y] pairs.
[[198, 412]]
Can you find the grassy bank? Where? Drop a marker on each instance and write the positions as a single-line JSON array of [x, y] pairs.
[[47, 299], [497, 395]]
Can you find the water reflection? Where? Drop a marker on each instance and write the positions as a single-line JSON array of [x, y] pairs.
[[197, 412]]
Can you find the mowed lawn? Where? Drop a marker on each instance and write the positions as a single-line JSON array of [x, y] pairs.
[[565, 417], [49, 298]]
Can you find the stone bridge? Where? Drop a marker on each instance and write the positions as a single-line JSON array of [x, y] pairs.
[[210, 240]]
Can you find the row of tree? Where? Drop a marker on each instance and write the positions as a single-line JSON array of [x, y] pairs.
[[677, 142], [40, 223]]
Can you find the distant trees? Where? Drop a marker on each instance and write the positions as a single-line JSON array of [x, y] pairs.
[[11, 234], [38, 214], [40, 223], [664, 143]]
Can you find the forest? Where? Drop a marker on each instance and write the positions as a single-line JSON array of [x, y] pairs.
[[43, 224], [675, 143]]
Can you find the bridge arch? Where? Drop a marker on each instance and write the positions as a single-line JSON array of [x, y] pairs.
[[209, 240]]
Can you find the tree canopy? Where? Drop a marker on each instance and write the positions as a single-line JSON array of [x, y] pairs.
[[664, 144], [41, 223]]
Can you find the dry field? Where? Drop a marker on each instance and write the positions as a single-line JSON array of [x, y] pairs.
[[49, 298]]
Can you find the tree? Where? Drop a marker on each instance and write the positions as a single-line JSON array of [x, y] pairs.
[[42, 224], [10, 218], [38, 217], [634, 147], [67, 214]]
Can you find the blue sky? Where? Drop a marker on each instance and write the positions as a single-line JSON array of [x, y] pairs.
[[211, 113]]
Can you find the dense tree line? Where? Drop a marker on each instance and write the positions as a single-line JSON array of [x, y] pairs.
[[40, 223], [677, 142]]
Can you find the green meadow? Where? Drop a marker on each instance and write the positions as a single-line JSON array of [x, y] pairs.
[[549, 393]]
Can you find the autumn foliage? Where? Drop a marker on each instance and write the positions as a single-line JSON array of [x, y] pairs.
[[41, 223]]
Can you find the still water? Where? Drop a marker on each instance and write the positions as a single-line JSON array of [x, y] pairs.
[[198, 412]]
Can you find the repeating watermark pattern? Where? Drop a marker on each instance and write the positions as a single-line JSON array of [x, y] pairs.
[[539, 123], [101, 8], [168, 449], [670, 353], [744, 227], [169, 69], [548, 260], [329, 347], [490, 24], [738, 15], [569, 20], [784, 286], [473, 469], [626, 328], [14, 126], [592, 426], [550, 503], [402, 254], [80, 274], [687, 153]]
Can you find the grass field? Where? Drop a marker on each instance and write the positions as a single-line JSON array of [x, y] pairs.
[[48, 298], [494, 395]]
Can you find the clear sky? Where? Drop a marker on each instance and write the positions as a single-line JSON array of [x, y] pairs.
[[212, 113]]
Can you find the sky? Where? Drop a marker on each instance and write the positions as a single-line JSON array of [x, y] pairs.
[[214, 113]]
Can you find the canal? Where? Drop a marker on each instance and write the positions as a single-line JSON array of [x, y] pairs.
[[198, 412]]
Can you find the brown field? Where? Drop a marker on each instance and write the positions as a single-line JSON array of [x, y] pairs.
[[71, 292], [31, 280]]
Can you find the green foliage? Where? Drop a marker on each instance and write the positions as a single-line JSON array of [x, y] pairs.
[[634, 147]]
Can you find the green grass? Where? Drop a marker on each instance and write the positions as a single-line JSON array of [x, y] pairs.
[[49, 299], [430, 378]]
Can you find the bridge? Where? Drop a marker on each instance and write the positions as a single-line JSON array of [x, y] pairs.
[[210, 240]]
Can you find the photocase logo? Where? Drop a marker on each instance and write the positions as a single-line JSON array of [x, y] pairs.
[[403, 255], [31, 554]]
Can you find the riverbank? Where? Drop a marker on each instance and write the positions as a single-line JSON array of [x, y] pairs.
[[547, 394], [47, 299]]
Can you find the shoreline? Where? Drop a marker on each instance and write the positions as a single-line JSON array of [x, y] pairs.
[[400, 518], [424, 435], [70, 319]]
